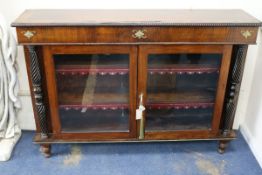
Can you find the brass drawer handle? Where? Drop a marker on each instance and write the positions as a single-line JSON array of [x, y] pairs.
[[139, 34], [246, 33], [29, 33]]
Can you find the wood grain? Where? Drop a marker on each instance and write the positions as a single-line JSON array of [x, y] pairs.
[[221, 87], [123, 35]]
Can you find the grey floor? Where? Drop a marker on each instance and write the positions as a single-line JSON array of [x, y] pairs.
[[174, 158]]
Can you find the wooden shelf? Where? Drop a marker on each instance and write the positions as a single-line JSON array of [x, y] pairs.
[[108, 101], [181, 97], [96, 98], [179, 105], [180, 100], [93, 71], [104, 101], [122, 70], [182, 69], [102, 64]]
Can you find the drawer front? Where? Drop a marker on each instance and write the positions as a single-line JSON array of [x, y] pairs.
[[134, 35]]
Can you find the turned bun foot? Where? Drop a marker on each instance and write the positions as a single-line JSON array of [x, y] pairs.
[[45, 150], [222, 146]]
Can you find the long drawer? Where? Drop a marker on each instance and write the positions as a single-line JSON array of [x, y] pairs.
[[136, 35]]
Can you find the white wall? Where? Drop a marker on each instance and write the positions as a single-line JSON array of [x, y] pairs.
[[252, 123], [248, 113]]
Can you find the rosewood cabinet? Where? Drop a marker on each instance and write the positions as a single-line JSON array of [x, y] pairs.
[[134, 75]]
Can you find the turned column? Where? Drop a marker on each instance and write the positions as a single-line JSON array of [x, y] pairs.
[[232, 93], [36, 78]]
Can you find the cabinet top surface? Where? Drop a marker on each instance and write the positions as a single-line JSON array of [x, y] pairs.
[[135, 18]]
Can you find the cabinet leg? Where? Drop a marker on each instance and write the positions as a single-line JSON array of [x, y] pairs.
[[222, 146], [45, 149]]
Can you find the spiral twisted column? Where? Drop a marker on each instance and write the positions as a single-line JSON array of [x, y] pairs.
[[37, 90]]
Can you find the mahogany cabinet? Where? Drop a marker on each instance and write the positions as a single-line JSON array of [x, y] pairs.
[[134, 75]]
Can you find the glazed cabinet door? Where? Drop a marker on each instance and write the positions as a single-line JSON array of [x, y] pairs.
[[92, 91], [182, 89]]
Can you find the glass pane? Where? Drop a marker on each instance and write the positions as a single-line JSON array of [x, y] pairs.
[[93, 92], [181, 91]]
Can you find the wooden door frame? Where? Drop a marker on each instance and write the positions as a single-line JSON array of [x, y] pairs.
[[49, 51], [225, 50]]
